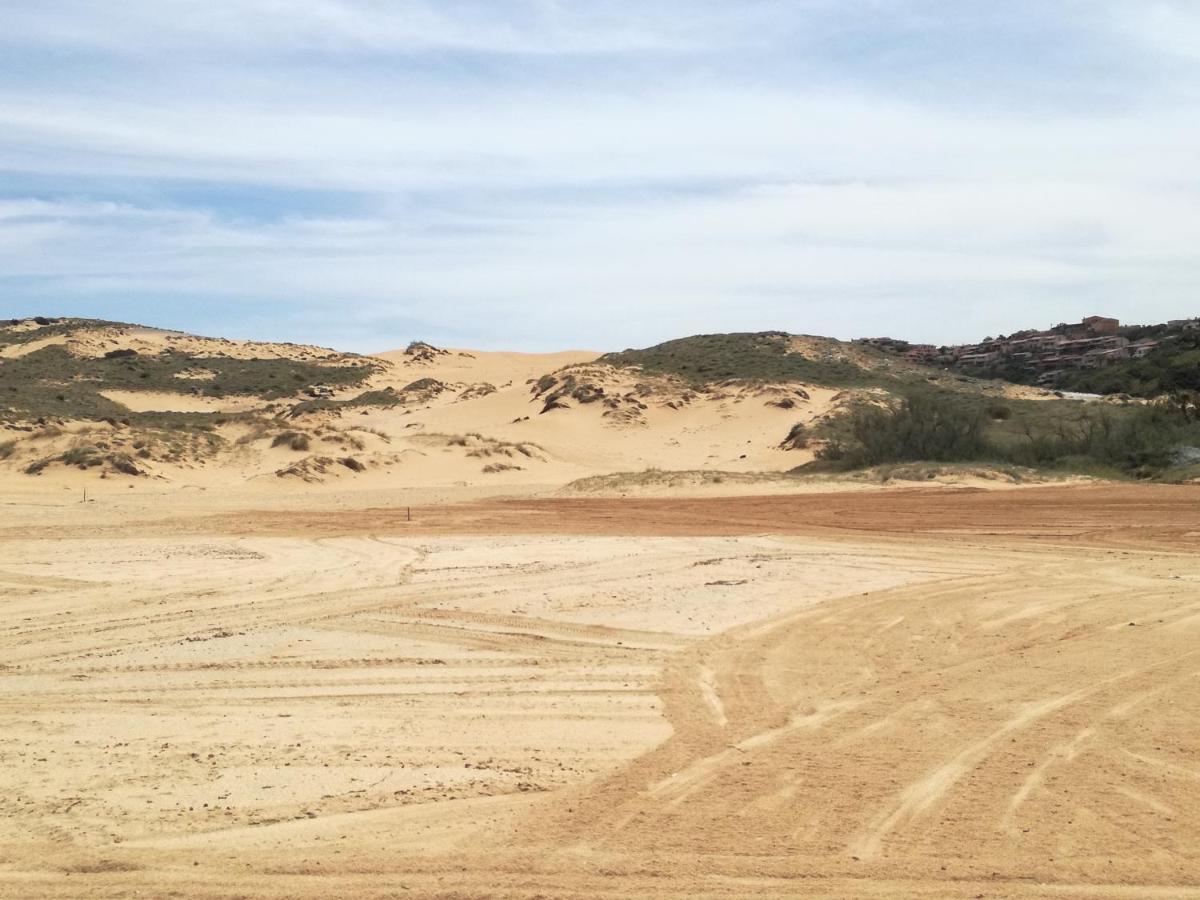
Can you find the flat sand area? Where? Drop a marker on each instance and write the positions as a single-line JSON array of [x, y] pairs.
[[910, 693]]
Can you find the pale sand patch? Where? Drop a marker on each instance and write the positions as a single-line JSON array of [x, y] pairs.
[[162, 401]]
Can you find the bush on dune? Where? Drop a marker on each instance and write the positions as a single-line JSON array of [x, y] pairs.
[[292, 439]]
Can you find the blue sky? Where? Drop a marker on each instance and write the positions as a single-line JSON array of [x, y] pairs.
[[546, 174]]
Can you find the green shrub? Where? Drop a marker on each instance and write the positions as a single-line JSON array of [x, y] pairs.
[[936, 427], [84, 456], [919, 427]]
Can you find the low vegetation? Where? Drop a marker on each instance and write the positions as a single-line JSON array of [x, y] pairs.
[[48, 328], [53, 382], [652, 478], [88, 456], [480, 447], [1141, 440], [293, 440], [762, 356], [380, 399]]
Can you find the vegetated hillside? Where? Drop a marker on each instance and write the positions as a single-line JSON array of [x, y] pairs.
[[769, 356], [1173, 366], [63, 368], [59, 379], [903, 411], [1144, 360]]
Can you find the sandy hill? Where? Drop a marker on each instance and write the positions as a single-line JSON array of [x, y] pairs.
[[86, 400]]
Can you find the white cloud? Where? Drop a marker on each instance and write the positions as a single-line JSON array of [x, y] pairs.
[[637, 172], [149, 27], [1169, 26]]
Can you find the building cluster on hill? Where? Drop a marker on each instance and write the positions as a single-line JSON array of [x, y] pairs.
[[1095, 342]]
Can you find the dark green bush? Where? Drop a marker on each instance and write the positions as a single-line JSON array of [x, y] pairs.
[[1000, 412], [935, 427], [85, 457], [918, 427]]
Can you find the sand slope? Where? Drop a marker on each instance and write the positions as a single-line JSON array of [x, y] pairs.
[[462, 419]]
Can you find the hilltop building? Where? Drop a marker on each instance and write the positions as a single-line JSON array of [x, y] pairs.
[[1094, 342], [1101, 325]]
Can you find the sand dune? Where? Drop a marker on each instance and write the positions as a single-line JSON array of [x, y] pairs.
[[461, 418], [498, 634]]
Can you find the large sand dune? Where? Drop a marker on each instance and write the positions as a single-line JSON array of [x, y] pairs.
[[450, 418]]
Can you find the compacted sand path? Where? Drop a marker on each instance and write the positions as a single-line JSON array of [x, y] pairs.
[[923, 693]]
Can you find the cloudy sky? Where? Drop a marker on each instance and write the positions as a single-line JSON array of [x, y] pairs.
[[536, 174]]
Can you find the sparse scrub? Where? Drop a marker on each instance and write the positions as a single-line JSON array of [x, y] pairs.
[[52, 381], [38, 466], [425, 386], [85, 456], [493, 468], [658, 478], [120, 462], [293, 440], [382, 435], [797, 438], [382, 399]]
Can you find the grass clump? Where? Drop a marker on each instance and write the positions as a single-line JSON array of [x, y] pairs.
[[38, 466], [798, 438], [494, 468], [293, 440], [85, 457]]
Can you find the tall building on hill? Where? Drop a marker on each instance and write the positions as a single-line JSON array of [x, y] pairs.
[[1101, 325]]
